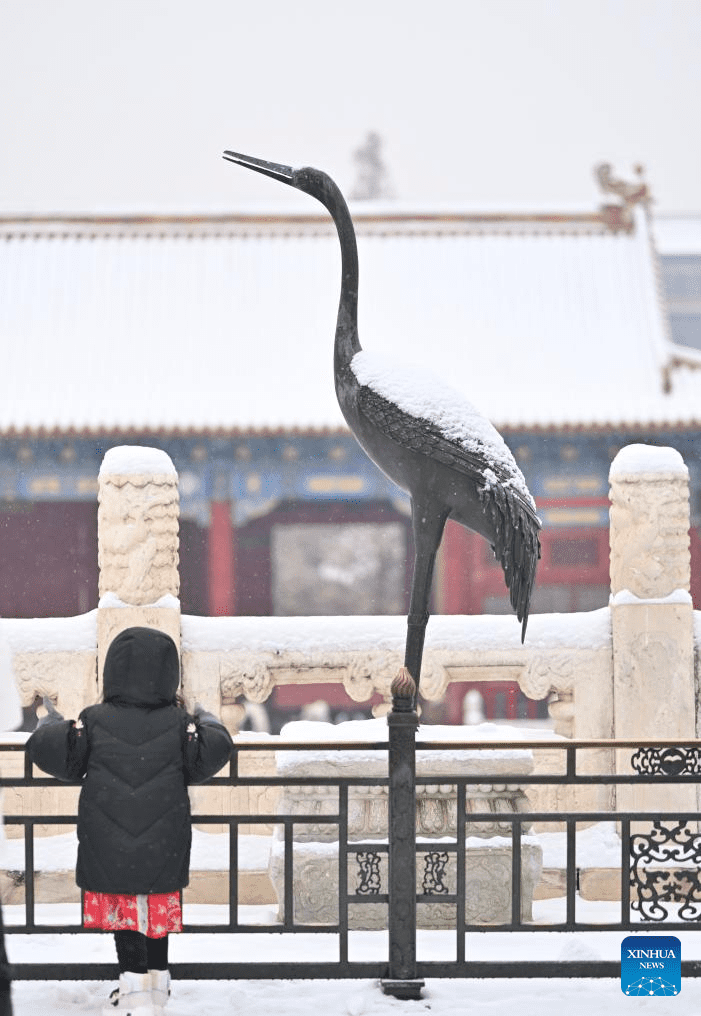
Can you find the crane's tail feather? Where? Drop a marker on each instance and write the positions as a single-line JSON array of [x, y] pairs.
[[516, 545]]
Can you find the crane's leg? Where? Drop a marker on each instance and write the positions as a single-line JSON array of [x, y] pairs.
[[428, 529]]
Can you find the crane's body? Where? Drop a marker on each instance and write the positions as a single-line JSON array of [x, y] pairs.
[[426, 438]]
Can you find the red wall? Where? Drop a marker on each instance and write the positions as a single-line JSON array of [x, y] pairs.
[[48, 559], [193, 568], [468, 573]]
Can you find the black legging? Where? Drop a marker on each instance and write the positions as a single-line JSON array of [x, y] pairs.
[[138, 953]]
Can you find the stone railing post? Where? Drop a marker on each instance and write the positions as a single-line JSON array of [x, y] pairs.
[[137, 520], [651, 610]]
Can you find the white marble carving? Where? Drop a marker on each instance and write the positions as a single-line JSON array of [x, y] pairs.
[[138, 530], [488, 854]]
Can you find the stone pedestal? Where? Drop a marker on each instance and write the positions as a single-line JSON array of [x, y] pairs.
[[488, 843]]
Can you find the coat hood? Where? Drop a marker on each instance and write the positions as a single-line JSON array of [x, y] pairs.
[[142, 668]]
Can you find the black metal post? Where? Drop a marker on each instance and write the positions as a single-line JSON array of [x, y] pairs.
[[401, 980]]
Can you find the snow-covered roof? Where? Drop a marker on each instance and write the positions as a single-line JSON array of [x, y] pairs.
[[227, 322]]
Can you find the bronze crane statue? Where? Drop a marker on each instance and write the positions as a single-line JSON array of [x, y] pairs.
[[425, 437]]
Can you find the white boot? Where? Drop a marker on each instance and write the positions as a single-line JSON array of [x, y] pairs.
[[133, 997], [160, 988]]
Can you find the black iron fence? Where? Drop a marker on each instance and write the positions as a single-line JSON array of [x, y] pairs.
[[655, 886]]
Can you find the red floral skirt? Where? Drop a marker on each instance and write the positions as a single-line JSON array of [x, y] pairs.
[[155, 915]]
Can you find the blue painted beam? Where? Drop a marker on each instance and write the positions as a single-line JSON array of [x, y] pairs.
[[257, 471]]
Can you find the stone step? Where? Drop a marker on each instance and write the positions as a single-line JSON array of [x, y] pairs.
[[603, 884]]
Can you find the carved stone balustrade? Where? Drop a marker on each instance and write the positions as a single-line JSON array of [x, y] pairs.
[[627, 670]]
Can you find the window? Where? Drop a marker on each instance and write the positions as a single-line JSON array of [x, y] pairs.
[[349, 568], [681, 277], [686, 329]]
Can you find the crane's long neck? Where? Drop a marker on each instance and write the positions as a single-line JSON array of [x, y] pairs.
[[347, 343]]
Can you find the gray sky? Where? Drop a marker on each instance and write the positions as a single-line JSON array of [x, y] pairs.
[[127, 104]]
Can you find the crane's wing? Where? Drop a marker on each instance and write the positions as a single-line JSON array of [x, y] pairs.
[[504, 497], [424, 436]]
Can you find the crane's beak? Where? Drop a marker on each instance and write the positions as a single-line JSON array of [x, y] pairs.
[[278, 172]]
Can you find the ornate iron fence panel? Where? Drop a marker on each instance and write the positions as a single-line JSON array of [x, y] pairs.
[[658, 870], [665, 872], [369, 877], [669, 761]]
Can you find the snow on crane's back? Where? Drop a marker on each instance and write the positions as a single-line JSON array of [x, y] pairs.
[[427, 397]]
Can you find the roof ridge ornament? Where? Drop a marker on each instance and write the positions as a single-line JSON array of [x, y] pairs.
[[636, 192], [679, 357]]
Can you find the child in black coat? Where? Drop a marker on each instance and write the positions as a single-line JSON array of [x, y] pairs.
[[136, 753]]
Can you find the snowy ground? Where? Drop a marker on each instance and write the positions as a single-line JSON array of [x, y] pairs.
[[364, 998], [357, 998]]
